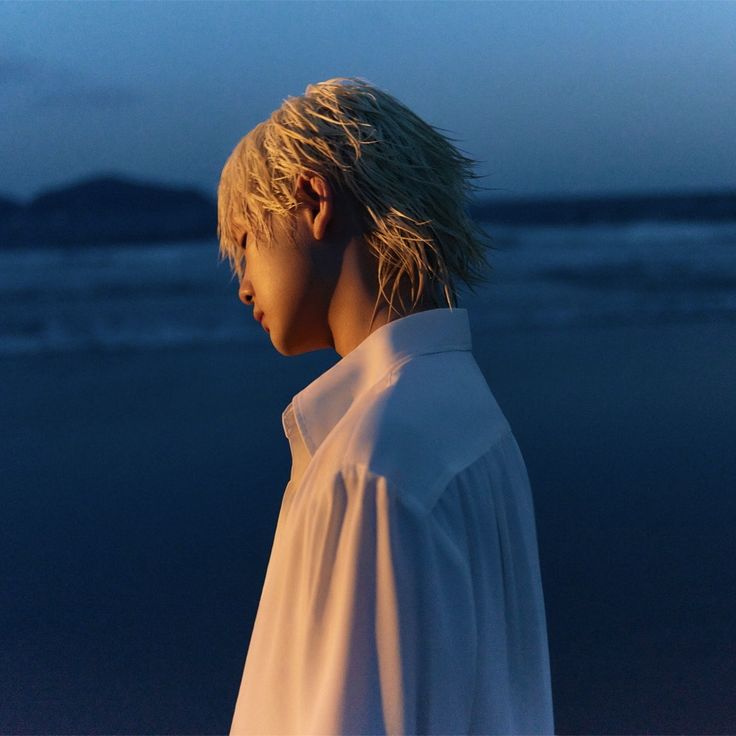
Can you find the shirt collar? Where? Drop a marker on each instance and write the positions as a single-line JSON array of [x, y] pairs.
[[316, 409]]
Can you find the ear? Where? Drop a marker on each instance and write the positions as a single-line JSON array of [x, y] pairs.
[[316, 196]]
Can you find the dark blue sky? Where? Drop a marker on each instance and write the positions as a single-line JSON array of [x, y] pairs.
[[552, 97]]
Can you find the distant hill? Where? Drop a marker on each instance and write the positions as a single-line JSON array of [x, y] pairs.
[[698, 206], [108, 210], [112, 209]]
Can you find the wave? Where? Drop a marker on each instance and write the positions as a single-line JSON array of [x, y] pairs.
[[180, 294]]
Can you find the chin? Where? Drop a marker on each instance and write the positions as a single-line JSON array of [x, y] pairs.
[[292, 349], [285, 352], [285, 348]]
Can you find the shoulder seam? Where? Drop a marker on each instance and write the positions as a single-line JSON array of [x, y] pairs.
[[405, 497]]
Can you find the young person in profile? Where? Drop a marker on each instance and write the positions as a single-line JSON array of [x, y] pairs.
[[403, 592]]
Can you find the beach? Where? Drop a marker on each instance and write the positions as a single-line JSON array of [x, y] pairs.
[[141, 489]]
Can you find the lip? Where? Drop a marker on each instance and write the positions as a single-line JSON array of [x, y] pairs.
[[259, 316]]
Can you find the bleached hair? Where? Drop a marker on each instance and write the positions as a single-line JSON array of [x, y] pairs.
[[411, 184]]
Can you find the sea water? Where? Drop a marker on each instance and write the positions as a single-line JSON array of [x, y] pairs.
[[115, 297]]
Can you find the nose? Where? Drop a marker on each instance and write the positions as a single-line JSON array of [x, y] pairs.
[[245, 295]]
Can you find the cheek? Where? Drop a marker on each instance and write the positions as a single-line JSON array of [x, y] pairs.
[[300, 315], [272, 297], [294, 283]]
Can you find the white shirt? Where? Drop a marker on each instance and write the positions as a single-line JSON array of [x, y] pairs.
[[403, 593]]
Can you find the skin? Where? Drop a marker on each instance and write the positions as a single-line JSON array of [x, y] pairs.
[[321, 293]]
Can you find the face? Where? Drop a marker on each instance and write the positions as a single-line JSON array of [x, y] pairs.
[[291, 286]]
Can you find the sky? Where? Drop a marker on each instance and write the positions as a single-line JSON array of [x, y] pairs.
[[549, 97]]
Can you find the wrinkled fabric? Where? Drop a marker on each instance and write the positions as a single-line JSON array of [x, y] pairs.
[[403, 594]]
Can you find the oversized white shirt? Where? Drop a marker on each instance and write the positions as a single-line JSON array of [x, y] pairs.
[[403, 593]]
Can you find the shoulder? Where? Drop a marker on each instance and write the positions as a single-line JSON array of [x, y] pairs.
[[432, 418]]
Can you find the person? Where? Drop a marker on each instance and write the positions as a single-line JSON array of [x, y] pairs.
[[403, 593]]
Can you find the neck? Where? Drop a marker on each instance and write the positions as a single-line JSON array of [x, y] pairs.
[[354, 299]]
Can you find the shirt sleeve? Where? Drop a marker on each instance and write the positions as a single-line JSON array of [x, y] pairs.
[[392, 635]]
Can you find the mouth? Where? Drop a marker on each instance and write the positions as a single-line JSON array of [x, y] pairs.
[[259, 317]]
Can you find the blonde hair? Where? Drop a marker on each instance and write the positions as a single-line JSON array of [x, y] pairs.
[[411, 184]]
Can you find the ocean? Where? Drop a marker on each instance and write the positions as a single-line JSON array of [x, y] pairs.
[[179, 293]]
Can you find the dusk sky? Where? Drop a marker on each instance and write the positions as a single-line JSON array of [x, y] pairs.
[[550, 97]]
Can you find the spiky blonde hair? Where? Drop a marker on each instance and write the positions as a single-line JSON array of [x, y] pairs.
[[412, 185]]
